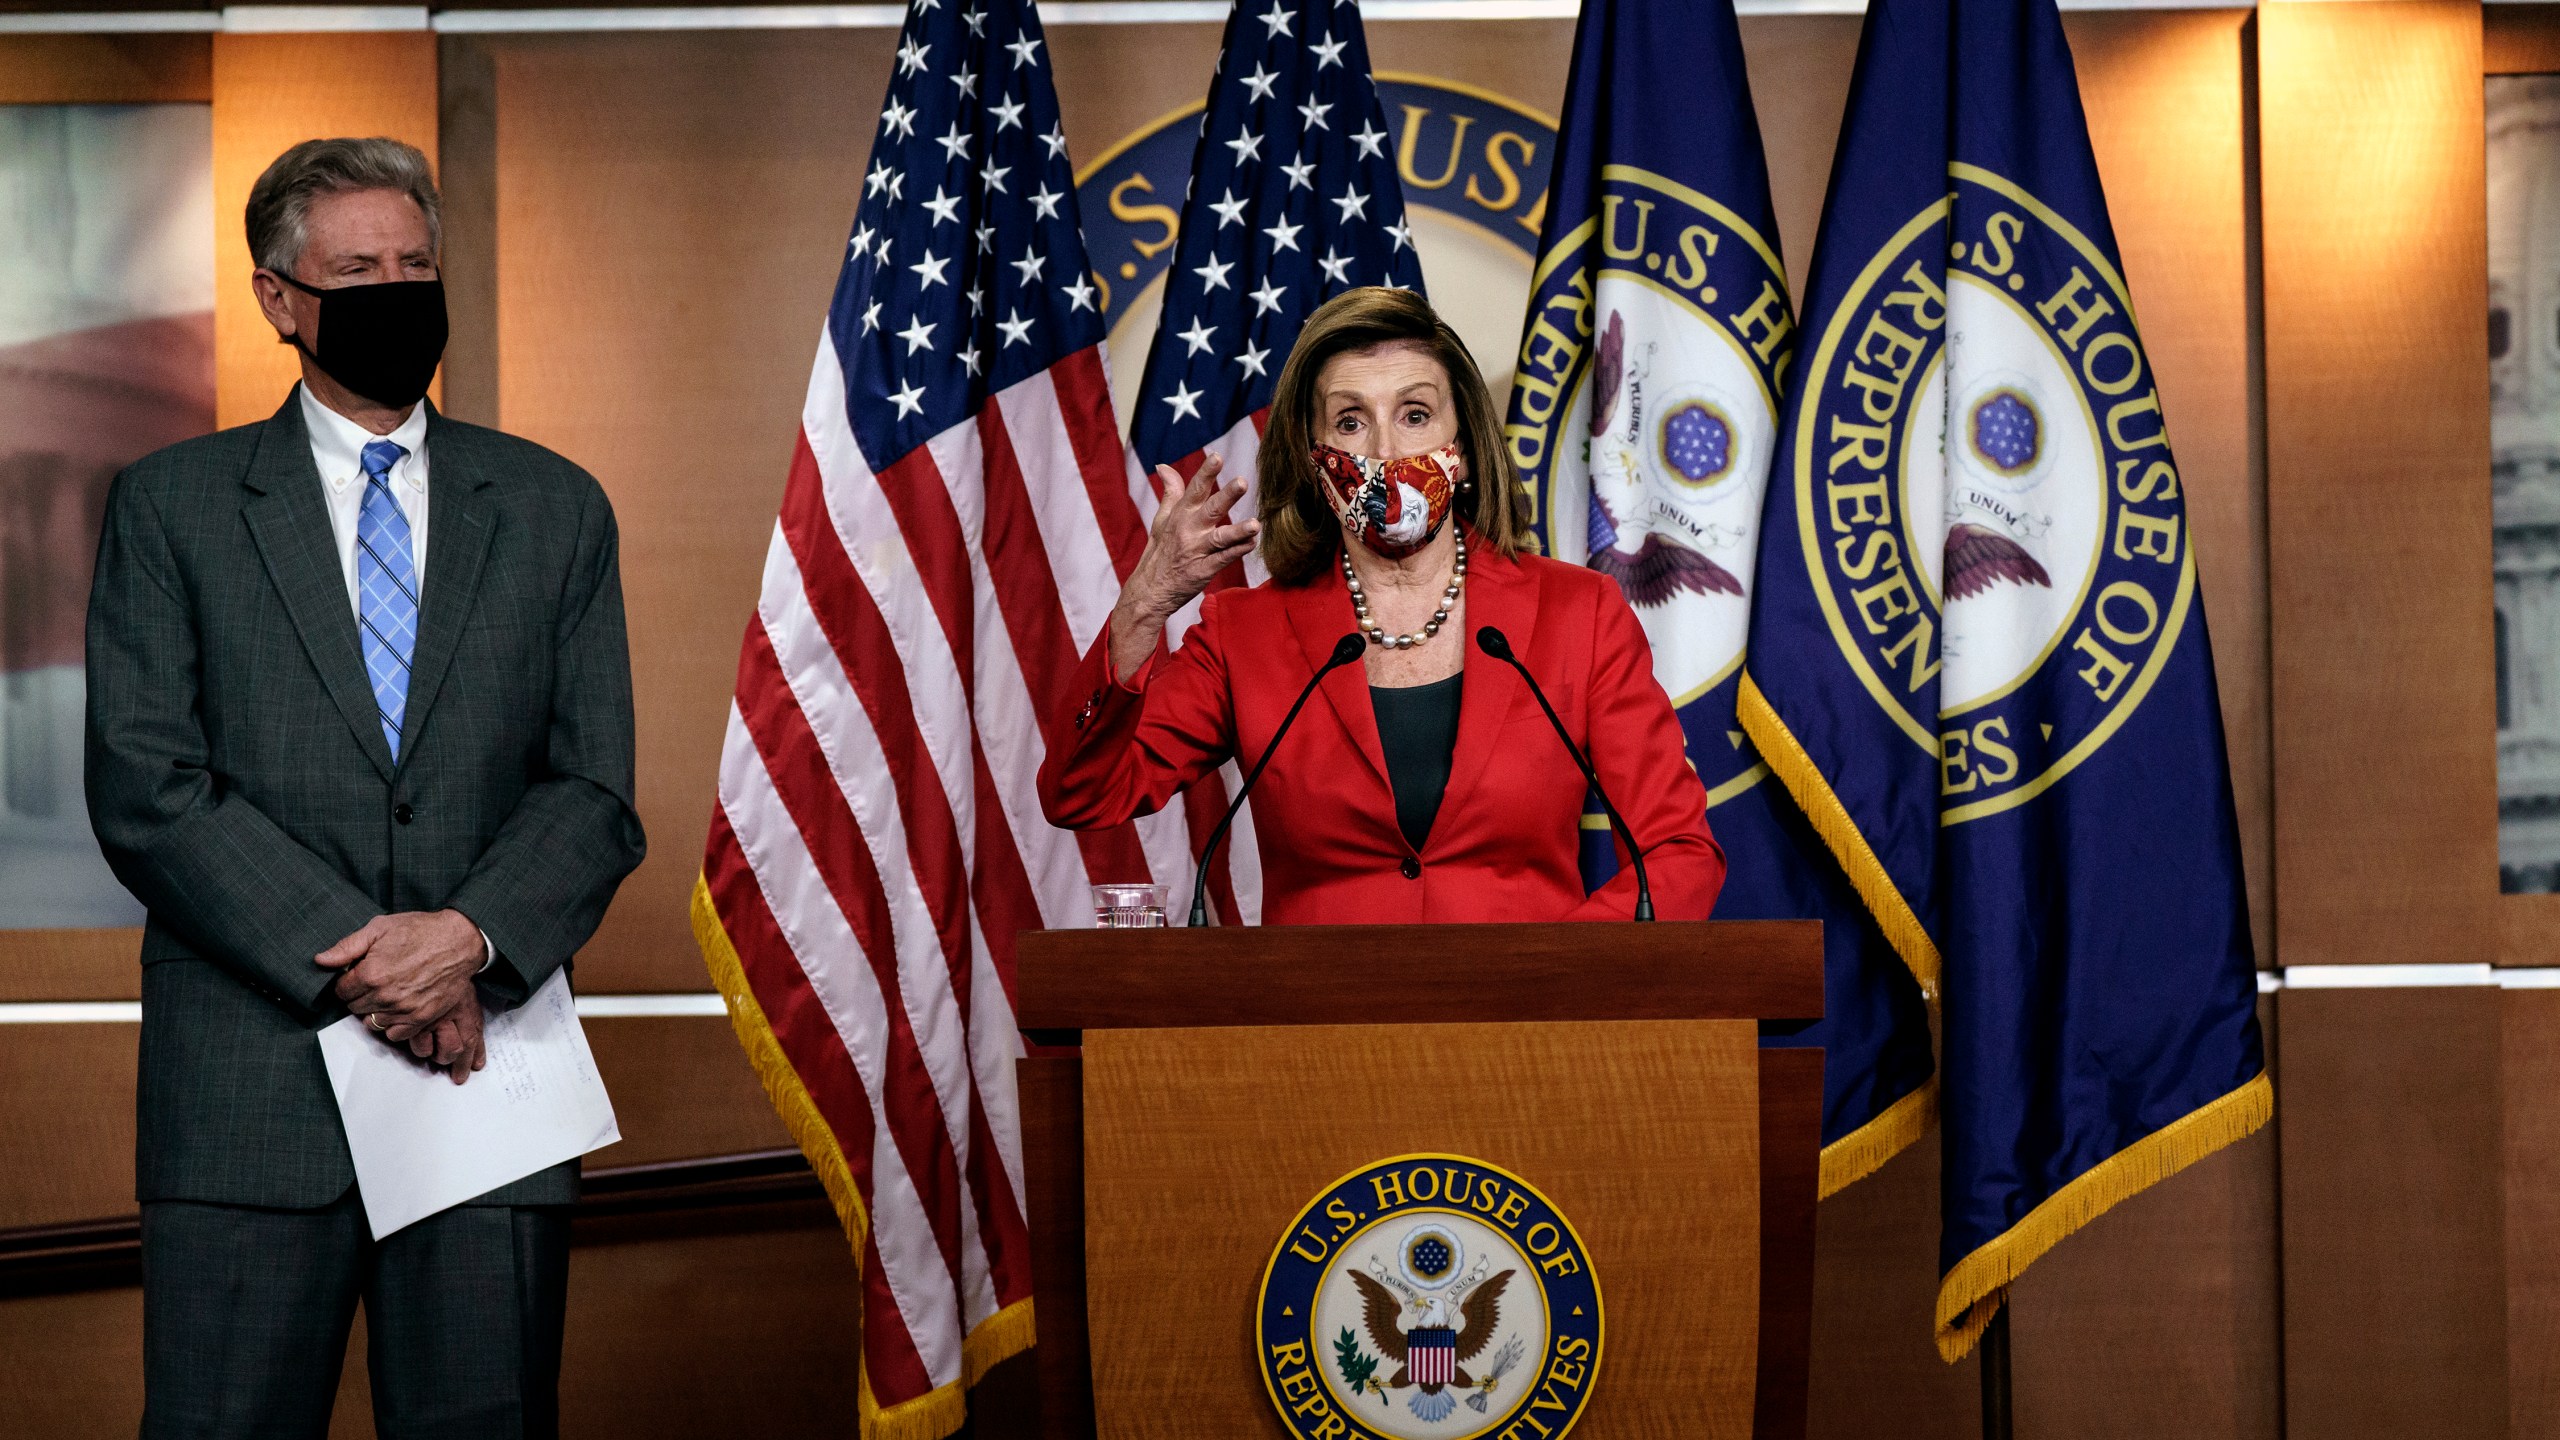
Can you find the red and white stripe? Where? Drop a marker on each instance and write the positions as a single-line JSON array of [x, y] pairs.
[[1435, 1361], [879, 840]]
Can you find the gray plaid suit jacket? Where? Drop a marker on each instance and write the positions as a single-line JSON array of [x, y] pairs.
[[241, 788]]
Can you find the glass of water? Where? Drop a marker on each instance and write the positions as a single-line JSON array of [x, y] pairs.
[[1128, 907]]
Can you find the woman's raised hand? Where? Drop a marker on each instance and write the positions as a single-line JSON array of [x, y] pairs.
[[1192, 540]]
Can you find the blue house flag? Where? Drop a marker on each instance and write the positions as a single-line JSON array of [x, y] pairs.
[[1978, 655], [1644, 415]]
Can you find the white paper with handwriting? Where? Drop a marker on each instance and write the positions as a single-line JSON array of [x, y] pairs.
[[423, 1144]]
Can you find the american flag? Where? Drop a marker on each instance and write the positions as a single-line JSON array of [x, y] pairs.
[[1294, 199], [956, 526]]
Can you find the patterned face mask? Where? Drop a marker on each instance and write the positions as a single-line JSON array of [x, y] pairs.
[[1392, 506]]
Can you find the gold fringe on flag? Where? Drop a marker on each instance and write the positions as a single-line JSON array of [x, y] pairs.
[[1863, 1151], [1976, 1288], [929, 1416], [942, 1411], [782, 1084], [998, 1338], [1860, 1153], [1789, 762]]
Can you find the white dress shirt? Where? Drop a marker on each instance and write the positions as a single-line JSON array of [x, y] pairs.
[[337, 450]]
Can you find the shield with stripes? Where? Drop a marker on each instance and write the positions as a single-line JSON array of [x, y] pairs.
[[1431, 1354]]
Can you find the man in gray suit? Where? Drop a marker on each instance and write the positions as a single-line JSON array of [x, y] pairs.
[[349, 771]]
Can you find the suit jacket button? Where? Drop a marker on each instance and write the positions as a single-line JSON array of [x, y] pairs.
[[401, 812], [1412, 868]]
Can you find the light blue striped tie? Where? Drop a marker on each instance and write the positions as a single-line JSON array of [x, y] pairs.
[[387, 587]]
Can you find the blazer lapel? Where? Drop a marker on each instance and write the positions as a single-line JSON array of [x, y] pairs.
[[459, 523], [1320, 615], [1501, 593], [288, 517]]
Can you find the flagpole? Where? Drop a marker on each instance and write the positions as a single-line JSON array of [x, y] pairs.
[[1995, 1377]]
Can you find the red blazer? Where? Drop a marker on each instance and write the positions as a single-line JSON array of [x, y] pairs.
[[1504, 844]]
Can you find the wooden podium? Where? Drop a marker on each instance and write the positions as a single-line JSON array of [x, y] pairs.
[[1229, 1074]]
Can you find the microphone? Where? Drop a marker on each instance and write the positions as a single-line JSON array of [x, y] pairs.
[[1494, 643], [1345, 650]]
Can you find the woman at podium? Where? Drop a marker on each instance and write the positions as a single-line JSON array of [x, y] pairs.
[[1423, 782]]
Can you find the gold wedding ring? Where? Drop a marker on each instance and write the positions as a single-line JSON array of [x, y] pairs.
[[374, 1023]]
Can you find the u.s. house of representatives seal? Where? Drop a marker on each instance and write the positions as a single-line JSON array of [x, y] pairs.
[[1429, 1297], [1643, 414], [1985, 495]]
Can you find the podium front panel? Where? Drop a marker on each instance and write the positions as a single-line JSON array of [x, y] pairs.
[[1202, 1145]]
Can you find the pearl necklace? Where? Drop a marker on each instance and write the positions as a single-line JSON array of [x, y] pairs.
[[1430, 627]]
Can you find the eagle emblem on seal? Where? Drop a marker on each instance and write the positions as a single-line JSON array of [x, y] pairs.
[[1431, 1351], [1651, 564]]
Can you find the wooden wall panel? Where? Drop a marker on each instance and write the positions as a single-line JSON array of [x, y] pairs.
[[269, 92], [1800, 68], [2374, 214], [70, 965], [71, 1366], [467, 173], [681, 1087], [2163, 91], [720, 1323], [1521, 60], [1876, 1372], [670, 219], [2161, 1317], [66, 1123], [2394, 1285], [2373, 204], [2531, 1024], [744, 1323], [2520, 39], [104, 69], [1102, 97]]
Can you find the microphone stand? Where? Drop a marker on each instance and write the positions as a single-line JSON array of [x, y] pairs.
[[1498, 645], [1345, 650]]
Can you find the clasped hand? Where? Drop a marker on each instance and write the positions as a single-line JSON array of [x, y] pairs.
[[409, 977]]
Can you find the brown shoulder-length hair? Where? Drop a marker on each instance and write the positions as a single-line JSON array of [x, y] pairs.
[[1300, 533]]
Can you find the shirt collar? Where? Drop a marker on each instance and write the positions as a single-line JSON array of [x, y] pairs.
[[337, 443]]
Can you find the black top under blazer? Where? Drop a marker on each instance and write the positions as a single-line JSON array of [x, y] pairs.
[[240, 785]]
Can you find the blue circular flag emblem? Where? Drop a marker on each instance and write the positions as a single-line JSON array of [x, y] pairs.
[[1428, 1297]]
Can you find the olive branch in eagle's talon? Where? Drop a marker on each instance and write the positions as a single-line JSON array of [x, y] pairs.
[[1357, 1364]]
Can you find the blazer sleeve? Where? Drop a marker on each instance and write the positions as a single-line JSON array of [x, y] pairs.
[[1634, 741], [206, 863], [1120, 749], [540, 889]]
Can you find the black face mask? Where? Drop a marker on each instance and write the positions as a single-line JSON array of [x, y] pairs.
[[381, 341]]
